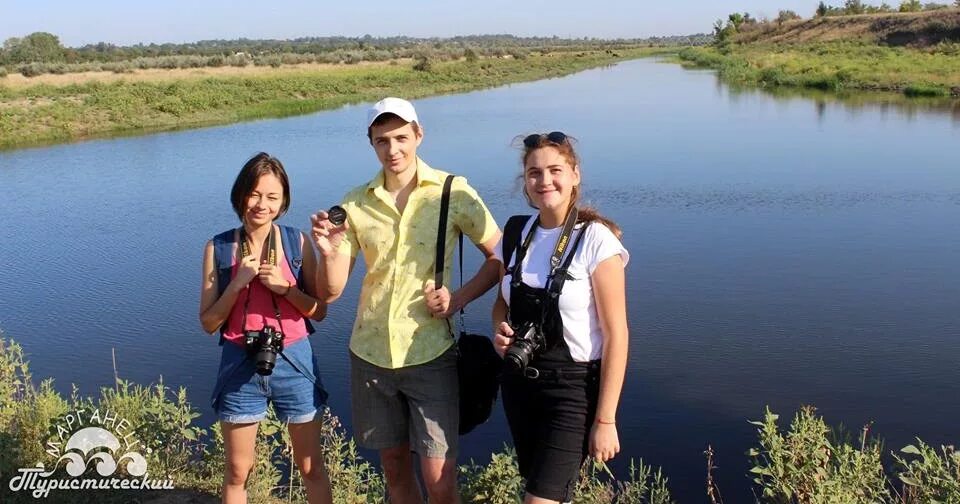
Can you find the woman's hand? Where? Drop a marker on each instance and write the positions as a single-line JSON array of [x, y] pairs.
[[247, 270], [604, 441], [326, 235], [272, 278], [502, 338]]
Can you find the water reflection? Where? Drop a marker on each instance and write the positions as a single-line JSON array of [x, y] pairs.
[[852, 102], [739, 199]]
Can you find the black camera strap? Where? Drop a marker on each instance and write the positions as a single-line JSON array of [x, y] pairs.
[[558, 250], [553, 285], [556, 280], [272, 259]]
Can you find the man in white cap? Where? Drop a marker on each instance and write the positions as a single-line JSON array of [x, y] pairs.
[[404, 386]]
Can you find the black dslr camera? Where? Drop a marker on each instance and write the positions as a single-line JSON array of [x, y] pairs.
[[527, 340], [264, 345]]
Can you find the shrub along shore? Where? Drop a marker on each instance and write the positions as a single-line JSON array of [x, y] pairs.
[[43, 113], [834, 66], [808, 462], [915, 52]]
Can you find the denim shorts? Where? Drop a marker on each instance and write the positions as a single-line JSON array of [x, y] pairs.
[[294, 387]]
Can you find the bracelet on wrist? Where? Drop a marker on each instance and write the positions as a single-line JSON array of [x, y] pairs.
[[604, 422], [289, 286]]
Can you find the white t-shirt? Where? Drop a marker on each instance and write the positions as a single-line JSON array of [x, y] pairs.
[[578, 309]]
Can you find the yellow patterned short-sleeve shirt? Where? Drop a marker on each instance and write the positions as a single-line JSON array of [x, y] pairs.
[[394, 328]]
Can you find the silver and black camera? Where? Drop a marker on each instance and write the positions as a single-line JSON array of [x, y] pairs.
[[527, 340], [263, 346]]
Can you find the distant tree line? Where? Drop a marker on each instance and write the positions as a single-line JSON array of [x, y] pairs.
[[43, 53], [723, 30], [851, 7]]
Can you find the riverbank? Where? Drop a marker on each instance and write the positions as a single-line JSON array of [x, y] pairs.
[[803, 463], [911, 53], [50, 113], [833, 66]]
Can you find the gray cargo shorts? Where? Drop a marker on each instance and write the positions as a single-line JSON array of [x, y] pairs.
[[416, 404]]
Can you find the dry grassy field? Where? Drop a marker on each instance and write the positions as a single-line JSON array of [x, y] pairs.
[[18, 81], [53, 108]]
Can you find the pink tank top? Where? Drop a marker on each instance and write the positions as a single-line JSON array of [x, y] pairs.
[[261, 312]]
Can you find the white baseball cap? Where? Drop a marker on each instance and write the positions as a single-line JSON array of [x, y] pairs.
[[398, 106]]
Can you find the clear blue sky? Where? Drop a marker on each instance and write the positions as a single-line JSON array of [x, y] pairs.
[[126, 22]]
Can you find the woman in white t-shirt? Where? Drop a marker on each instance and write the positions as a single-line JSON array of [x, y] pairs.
[[566, 302]]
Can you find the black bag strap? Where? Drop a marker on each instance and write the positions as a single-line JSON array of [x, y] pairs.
[[442, 233], [438, 264], [463, 325]]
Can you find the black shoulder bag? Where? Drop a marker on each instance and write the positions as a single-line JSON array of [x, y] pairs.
[[478, 364]]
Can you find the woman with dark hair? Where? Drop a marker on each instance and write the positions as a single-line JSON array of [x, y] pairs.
[[560, 323], [258, 290]]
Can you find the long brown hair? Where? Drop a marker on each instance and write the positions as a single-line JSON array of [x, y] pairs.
[[530, 143]]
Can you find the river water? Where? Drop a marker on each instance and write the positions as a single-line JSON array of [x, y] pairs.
[[786, 250]]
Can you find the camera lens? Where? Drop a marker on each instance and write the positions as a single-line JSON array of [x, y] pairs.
[[517, 357], [266, 360], [514, 362], [337, 215]]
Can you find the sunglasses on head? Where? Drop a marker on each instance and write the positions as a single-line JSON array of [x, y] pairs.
[[556, 137]]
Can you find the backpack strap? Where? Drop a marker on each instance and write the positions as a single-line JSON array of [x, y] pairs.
[[292, 240], [224, 256], [292, 249], [511, 237]]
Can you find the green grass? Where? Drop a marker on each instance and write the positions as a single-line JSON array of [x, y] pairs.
[[193, 457], [835, 66], [812, 463], [807, 463], [46, 114], [927, 90]]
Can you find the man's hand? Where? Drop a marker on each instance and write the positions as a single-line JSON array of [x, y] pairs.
[[326, 235], [438, 300]]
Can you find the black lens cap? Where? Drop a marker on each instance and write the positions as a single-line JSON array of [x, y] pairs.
[[337, 215]]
